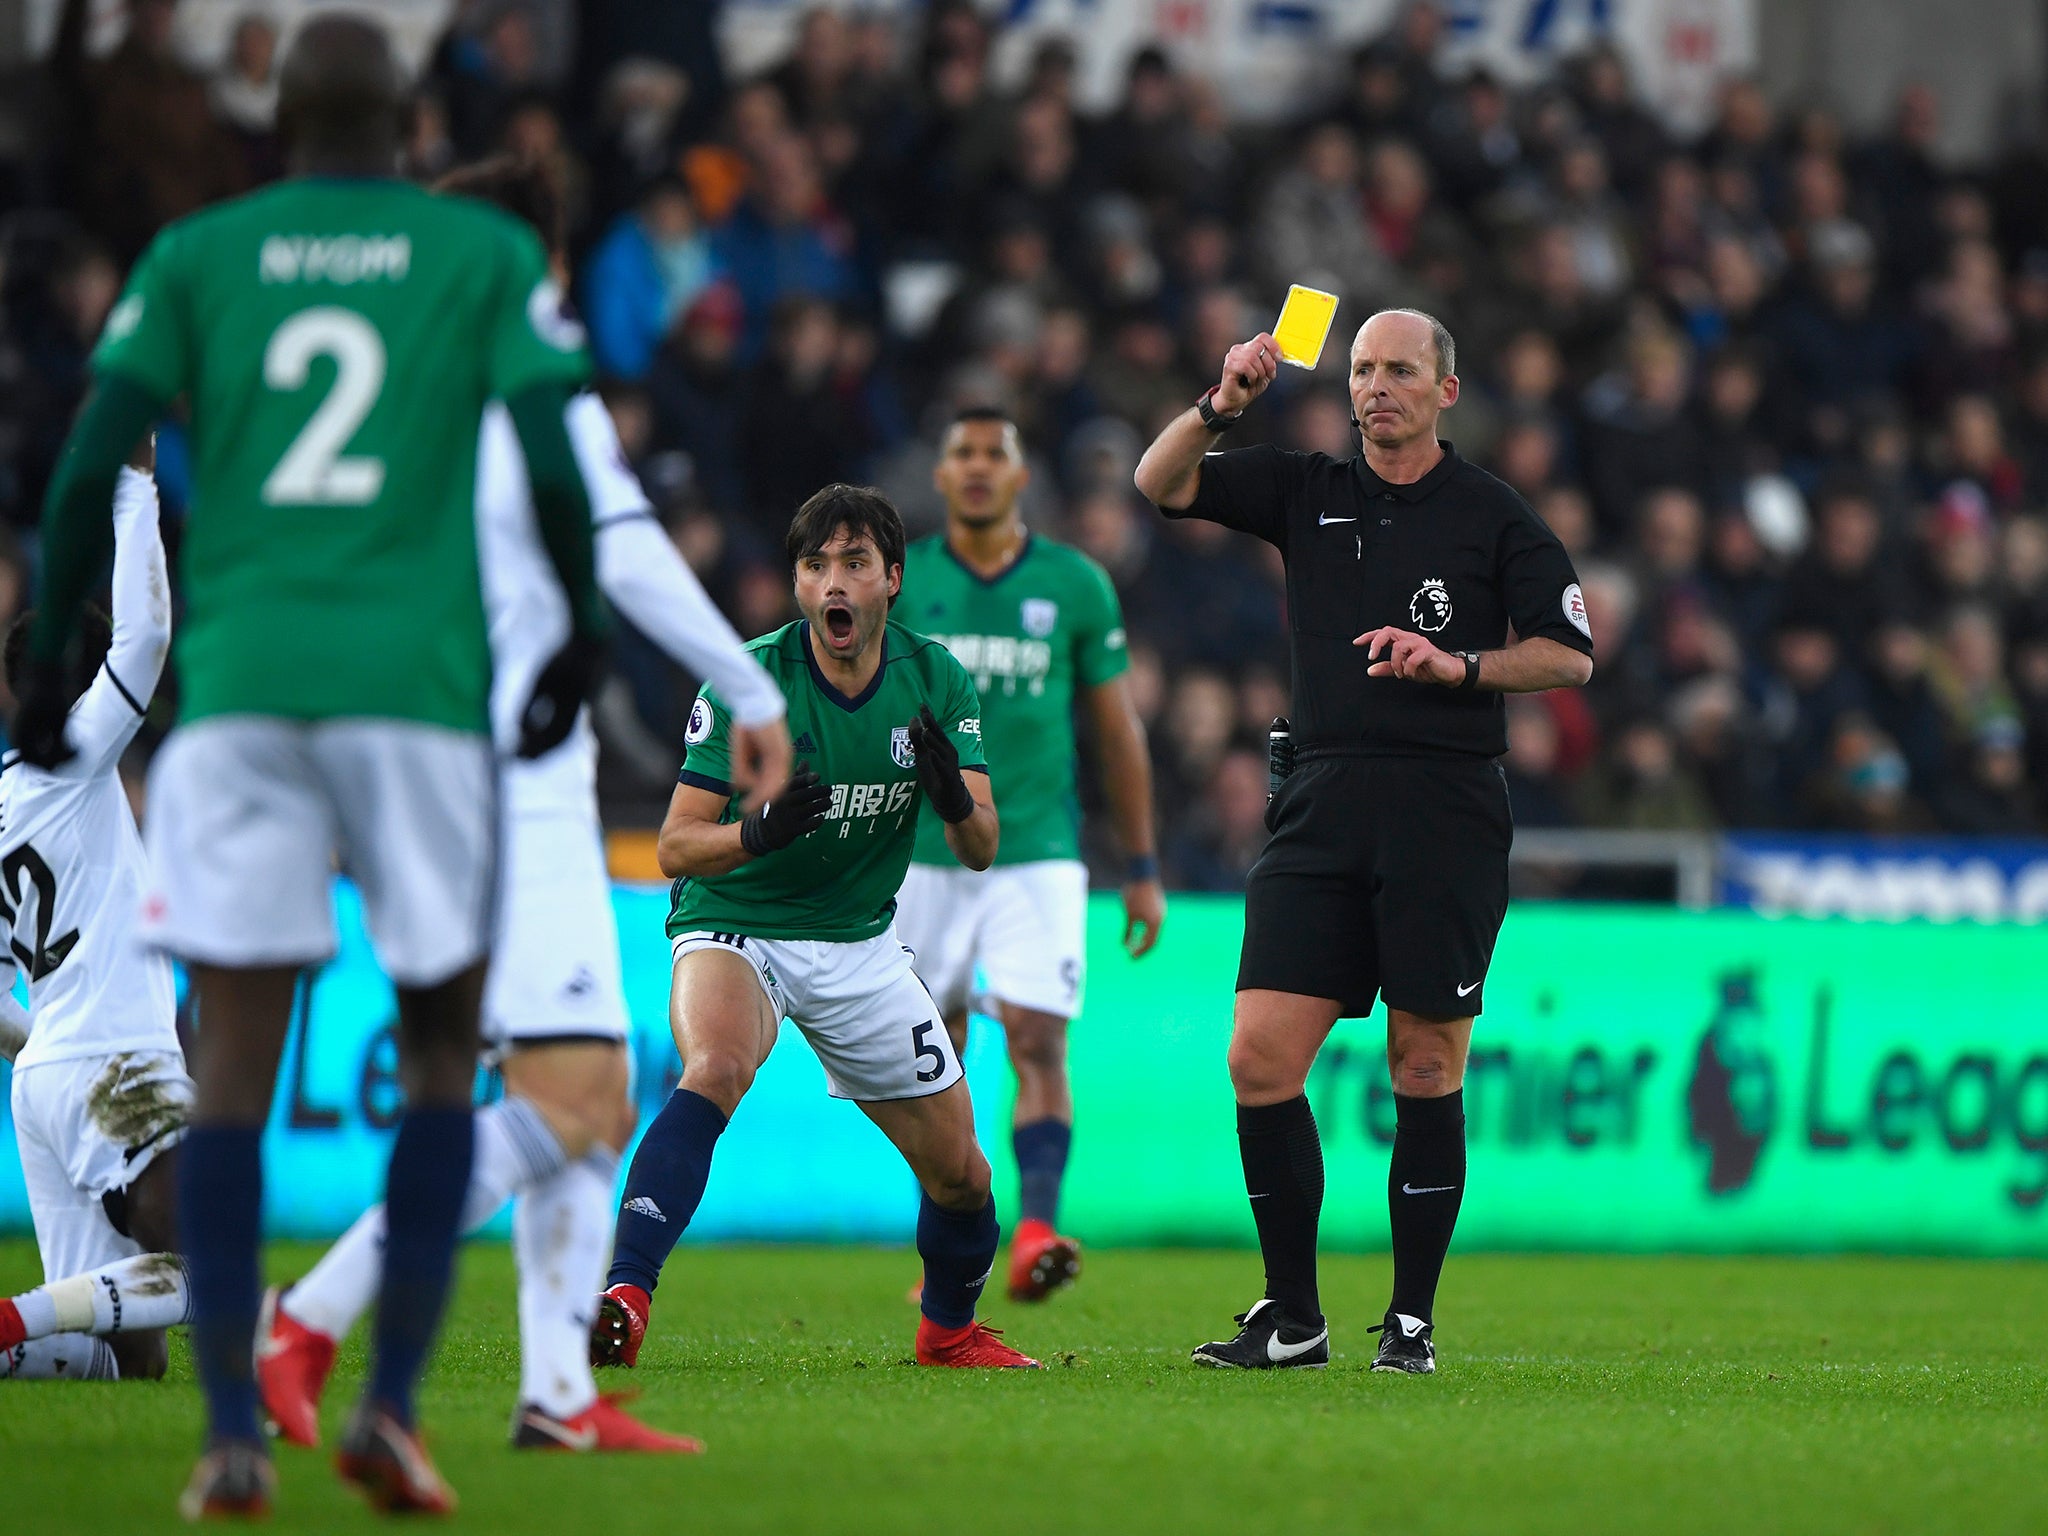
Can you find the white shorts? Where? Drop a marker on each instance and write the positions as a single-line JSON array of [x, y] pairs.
[[865, 1013], [250, 815], [555, 973], [88, 1126], [1024, 925]]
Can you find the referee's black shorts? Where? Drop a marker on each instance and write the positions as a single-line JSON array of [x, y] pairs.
[[1385, 876]]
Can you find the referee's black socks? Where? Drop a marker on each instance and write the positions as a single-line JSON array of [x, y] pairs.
[[1425, 1183], [1283, 1176]]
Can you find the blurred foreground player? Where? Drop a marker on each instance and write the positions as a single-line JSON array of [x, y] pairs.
[[786, 912], [1387, 872], [100, 1096], [554, 1007], [1036, 625], [336, 336]]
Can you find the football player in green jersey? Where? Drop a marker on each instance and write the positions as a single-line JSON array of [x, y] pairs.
[[786, 912], [335, 337], [1037, 627]]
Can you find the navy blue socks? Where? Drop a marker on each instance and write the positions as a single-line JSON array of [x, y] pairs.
[[220, 1224], [959, 1250], [1041, 1147], [429, 1176], [664, 1186]]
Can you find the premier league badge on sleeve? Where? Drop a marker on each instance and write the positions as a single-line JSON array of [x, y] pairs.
[[900, 747]]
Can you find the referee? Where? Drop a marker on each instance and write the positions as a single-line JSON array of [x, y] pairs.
[[1387, 870]]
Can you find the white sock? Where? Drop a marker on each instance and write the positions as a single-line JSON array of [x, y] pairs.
[[60, 1356], [562, 1239], [514, 1149], [128, 1296]]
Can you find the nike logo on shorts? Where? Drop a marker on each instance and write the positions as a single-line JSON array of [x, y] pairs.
[[1469, 988]]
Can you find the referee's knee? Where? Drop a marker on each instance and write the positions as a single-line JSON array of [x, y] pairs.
[[1425, 1075], [1257, 1077]]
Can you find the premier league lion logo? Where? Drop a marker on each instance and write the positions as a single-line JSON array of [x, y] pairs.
[[1430, 608]]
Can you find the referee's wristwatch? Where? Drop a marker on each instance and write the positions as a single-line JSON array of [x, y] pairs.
[[1471, 660], [1212, 418]]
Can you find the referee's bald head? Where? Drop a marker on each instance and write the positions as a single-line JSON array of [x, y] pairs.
[[1440, 337]]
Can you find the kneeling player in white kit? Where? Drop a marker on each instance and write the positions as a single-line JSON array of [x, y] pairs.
[[100, 1094], [554, 1004]]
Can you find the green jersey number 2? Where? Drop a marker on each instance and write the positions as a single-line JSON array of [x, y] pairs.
[[314, 471]]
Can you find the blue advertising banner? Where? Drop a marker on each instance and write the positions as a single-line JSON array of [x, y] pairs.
[[1943, 879]]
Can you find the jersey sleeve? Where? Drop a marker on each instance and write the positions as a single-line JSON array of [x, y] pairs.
[[962, 715], [1249, 489], [534, 339], [110, 711], [707, 760], [1100, 648], [1538, 584], [147, 338], [645, 577]]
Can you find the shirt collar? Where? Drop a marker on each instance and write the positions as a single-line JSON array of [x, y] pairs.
[[1445, 468]]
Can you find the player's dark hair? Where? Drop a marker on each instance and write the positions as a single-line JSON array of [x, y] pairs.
[[859, 509], [525, 188], [95, 637]]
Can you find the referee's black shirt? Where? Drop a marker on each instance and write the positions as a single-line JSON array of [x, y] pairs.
[[1456, 556]]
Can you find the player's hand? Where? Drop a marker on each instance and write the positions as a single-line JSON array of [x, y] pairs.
[[1248, 368], [1399, 653], [1144, 912], [938, 768], [39, 721], [559, 694], [760, 760], [798, 807]]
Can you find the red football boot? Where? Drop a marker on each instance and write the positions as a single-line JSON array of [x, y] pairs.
[[620, 1326], [293, 1363], [391, 1468], [13, 1330], [1041, 1261], [603, 1426], [976, 1345]]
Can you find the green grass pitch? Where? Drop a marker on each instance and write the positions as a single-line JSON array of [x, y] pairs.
[[1575, 1395]]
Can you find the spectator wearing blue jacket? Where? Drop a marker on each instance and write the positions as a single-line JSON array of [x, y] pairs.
[[783, 241], [650, 266]]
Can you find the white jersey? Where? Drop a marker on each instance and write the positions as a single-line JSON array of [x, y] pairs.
[[638, 569], [72, 873]]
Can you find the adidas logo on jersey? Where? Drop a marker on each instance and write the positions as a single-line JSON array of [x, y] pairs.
[[803, 744], [641, 1205]]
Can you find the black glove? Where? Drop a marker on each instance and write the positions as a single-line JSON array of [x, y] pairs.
[[46, 701], [798, 808], [559, 693], [938, 768]]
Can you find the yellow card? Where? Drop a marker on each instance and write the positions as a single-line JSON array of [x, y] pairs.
[[1304, 325]]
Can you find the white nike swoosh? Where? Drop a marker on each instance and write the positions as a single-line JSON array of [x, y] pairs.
[[571, 1439], [1326, 519], [1280, 1353], [1434, 1189], [1467, 991]]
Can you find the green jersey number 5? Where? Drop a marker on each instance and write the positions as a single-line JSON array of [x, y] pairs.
[[314, 471]]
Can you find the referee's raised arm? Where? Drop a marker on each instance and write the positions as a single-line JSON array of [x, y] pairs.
[[1171, 471]]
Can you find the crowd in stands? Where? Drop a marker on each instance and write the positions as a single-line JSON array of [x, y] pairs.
[[1783, 392]]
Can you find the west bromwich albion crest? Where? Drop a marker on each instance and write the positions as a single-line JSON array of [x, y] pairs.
[[900, 747], [1040, 616]]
